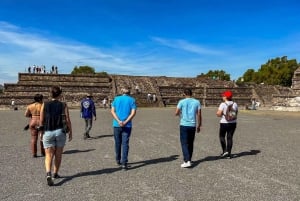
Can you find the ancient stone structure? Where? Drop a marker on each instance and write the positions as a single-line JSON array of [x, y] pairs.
[[296, 81], [167, 90]]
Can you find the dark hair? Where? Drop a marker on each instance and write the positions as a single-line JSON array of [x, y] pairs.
[[187, 92], [55, 91], [38, 97]]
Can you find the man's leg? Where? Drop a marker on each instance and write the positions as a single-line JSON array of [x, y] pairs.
[[126, 131], [184, 143], [89, 127], [191, 138], [118, 141]]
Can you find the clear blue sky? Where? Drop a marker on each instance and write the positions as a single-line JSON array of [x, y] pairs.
[[181, 38]]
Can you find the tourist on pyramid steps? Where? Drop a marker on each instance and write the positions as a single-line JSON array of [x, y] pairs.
[[189, 111], [33, 112], [227, 126], [123, 109], [54, 116], [87, 112]]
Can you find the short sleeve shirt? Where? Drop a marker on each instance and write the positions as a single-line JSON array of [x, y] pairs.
[[189, 108], [223, 106], [123, 106]]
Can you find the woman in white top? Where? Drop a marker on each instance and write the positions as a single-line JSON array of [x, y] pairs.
[[227, 124]]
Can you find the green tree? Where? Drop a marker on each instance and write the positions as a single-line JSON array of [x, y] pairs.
[[83, 70], [278, 71], [216, 75]]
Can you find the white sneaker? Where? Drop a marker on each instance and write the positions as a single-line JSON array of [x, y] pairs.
[[225, 154], [186, 164]]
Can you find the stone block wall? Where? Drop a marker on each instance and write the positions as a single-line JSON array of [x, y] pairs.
[[168, 90]]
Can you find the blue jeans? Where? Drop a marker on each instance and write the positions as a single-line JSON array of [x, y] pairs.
[[187, 136], [122, 135]]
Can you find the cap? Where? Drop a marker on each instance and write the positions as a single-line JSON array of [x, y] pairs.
[[227, 94], [89, 95]]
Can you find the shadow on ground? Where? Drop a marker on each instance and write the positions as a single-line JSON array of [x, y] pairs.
[[214, 158]]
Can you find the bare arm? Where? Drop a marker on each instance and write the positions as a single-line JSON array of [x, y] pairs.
[[177, 112], [68, 120], [113, 113], [122, 123], [199, 118], [219, 113], [42, 115], [130, 117], [27, 112]]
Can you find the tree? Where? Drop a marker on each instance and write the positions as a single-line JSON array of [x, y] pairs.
[[278, 71], [83, 70], [218, 75]]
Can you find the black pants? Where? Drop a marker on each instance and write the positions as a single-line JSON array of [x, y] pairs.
[[226, 130]]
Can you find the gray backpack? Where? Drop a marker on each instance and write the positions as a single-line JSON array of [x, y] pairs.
[[231, 113]]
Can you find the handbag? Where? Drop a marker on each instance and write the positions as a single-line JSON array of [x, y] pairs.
[[64, 120]]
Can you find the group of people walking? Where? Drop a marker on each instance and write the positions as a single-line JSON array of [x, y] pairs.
[[51, 120]]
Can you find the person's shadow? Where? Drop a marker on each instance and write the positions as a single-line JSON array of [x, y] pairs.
[[74, 151], [101, 136], [214, 158], [139, 164], [65, 179], [246, 153]]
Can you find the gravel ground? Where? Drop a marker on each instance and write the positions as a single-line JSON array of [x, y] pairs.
[[265, 167]]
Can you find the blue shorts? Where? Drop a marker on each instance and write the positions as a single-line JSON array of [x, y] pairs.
[[54, 138]]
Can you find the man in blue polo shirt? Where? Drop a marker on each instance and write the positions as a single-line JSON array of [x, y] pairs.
[[123, 109]]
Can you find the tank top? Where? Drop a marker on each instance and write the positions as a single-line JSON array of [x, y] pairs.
[[53, 111]]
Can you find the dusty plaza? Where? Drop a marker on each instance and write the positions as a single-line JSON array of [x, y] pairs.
[[265, 165]]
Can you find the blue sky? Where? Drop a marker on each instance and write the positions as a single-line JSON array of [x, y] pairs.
[[177, 38]]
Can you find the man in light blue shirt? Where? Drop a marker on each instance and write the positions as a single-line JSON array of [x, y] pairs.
[[123, 109], [189, 110]]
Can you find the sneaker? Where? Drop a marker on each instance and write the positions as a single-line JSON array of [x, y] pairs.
[[225, 154], [34, 156], [118, 163], [49, 180], [56, 176], [84, 136], [186, 164], [125, 166]]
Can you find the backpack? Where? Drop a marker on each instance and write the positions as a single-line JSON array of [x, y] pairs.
[[231, 113]]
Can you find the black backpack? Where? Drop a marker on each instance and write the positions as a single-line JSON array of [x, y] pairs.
[[231, 113]]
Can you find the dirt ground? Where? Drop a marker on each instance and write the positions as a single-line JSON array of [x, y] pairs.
[[265, 166]]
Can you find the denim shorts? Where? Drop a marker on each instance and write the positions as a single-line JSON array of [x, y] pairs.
[[54, 138]]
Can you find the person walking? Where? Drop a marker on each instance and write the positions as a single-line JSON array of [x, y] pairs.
[[227, 126], [33, 112], [88, 111], [54, 114], [123, 110], [189, 110]]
